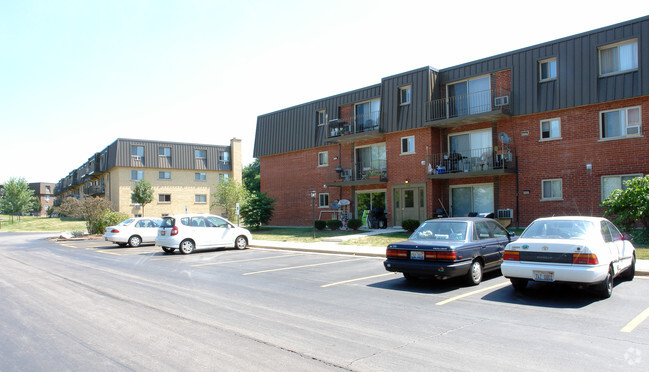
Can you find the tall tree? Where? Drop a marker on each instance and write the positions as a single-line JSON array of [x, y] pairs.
[[250, 175], [228, 193], [17, 197], [258, 209], [630, 206], [142, 193]]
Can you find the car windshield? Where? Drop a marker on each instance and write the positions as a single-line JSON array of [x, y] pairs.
[[168, 222], [558, 229], [126, 222], [440, 230]]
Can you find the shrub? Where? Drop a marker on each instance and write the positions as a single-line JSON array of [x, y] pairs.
[[354, 223], [334, 224], [109, 218], [410, 225], [258, 209], [320, 224]]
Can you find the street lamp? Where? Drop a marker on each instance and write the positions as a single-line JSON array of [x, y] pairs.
[[313, 207]]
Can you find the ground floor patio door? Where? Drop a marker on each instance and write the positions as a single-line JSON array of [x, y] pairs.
[[408, 203], [467, 199], [367, 201]]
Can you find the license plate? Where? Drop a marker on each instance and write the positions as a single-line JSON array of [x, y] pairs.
[[162, 233], [544, 276], [416, 255]]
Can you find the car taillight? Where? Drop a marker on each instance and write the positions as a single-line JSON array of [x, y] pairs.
[[396, 253], [511, 256], [584, 259], [114, 231], [174, 231], [446, 255]]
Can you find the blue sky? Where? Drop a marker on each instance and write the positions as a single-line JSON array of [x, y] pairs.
[[76, 75]]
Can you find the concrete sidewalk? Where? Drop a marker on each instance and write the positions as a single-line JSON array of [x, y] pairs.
[[333, 246]]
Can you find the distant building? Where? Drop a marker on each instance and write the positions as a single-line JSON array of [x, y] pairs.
[[183, 175], [44, 191]]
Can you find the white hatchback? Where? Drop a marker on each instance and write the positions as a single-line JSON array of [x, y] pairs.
[[133, 231], [584, 250], [191, 231]]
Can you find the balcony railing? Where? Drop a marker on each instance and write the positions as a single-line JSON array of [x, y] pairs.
[[373, 172], [95, 190], [463, 163], [353, 125], [476, 103]]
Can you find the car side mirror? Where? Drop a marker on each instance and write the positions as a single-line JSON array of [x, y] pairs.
[[628, 237], [511, 234]]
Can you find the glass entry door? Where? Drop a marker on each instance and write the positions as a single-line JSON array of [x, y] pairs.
[[472, 199]]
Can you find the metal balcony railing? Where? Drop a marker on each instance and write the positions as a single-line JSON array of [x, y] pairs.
[[469, 104], [376, 171], [473, 160], [353, 125]]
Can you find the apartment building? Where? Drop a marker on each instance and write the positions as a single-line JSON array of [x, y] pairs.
[[550, 129], [44, 191], [183, 175]]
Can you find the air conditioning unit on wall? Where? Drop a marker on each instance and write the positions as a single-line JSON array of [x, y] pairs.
[[501, 101], [505, 213]]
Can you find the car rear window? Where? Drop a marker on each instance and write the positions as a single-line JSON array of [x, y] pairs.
[[440, 231], [558, 229], [126, 222], [168, 222]]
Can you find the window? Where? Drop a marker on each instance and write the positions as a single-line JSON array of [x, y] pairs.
[[612, 183], [47, 198], [548, 69], [408, 145], [137, 175], [620, 123], [165, 151], [551, 129], [162, 175], [321, 117], [200, 154], [200, 198], [137, 151], [618, 58], [164, 198], [469, 97], [366, 115], [323, 159], [551, 189], [200, 176], [223, 177], [47, 189], [405, 95], [323, 200], [224, 156]]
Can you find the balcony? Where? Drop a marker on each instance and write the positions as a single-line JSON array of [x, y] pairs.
[[469, 108], [471, 163], [95, 190], [359, 174], [355, 128]]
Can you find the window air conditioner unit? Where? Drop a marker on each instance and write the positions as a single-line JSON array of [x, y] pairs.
[[501, 101], [346, 174], [635, 129], [505, 213]]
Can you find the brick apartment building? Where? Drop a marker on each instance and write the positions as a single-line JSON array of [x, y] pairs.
[[183, 175], [44, 191], [551, 129]]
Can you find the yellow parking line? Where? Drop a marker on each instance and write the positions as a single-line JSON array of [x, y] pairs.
[[113, 253], [250, 259], [630, 326], [471, 293], [355, 280], [299, 267]]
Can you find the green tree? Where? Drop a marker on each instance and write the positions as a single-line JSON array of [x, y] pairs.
[[92, 210], [110, 218], [17, 197], [630, 206], [228, 193], [250, 175], [36, 206], [142, 194], [258, 209]]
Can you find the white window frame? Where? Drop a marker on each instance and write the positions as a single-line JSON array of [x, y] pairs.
[[618, 176], [224, 156], [617, 45], [320, 201], [321, 117], [200, 196], [160, 173], [163, 196], [407, 90], [196, 154], [547, 61], [202, 176], [139, 172], [323, 159], [137, 155], [410, 140], [552, 197], [161, 152], [223, 177], [625, 125], [549, 121]]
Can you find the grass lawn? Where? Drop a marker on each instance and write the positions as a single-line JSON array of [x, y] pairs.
[[295, 234], [381, 240], [41, 224]]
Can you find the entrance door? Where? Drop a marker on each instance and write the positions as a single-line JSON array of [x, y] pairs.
[[409, 203]]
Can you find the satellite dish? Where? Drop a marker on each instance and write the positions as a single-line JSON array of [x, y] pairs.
[[504, 138], [344, 202]]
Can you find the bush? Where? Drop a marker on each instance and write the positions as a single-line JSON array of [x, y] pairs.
[[410, 225], [320, 224], [334, 224], [109, 218], [354, 223], [258, 209]]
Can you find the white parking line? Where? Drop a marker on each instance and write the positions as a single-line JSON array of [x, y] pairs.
[[471, 293], [300, 267], [355, 280], [249, 259]]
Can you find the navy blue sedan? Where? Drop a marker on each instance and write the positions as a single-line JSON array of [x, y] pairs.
[[450, 247]]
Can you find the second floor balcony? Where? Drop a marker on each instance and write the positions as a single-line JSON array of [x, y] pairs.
[[469, 108], [359, 174], [95, 190], [486, 161], [354, 128]]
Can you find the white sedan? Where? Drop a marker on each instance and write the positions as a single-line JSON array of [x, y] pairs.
[[584, 250], [190, 231], [133, 231]]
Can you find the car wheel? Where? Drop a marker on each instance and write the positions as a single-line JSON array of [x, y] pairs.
[[519, 284], [605, 288], [168, 250], [122, 244], [241, 242], [186, 246], [629, 273], [134, 241], [409, 276], [474, 276]]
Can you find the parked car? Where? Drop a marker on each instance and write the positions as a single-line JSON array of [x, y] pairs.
[[450, 247], [583, 250], [190, 231], [133, 231]]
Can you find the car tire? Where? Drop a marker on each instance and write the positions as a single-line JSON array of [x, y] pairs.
[[168, 250], [519, 284], [474, 276], [122, 244], [409, 276], [186, 246], [629, 273], [134, 241], [241, 242], [605, 288]]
